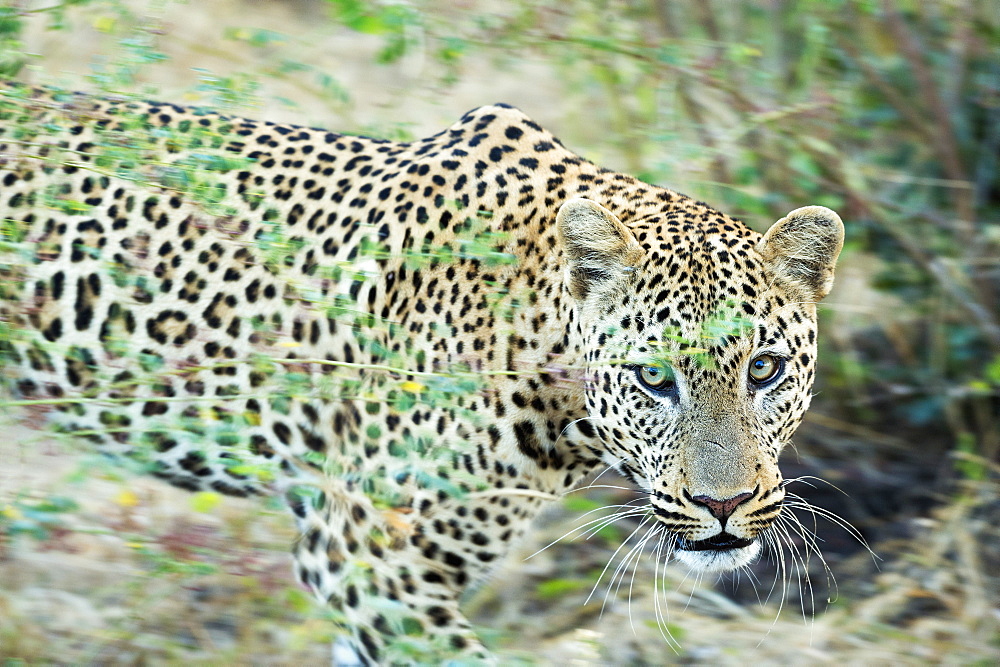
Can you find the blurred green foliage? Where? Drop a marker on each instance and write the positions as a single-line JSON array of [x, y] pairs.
[[37, 518]]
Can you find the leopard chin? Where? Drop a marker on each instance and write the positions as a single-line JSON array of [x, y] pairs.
[[721, 553]]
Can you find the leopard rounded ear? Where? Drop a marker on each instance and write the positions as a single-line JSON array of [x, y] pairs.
[[598, 245], [802, 248]]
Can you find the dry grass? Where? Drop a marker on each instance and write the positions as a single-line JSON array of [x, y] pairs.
[[137, 574]]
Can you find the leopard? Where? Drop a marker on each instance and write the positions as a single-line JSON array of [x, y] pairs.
[[418, 345]]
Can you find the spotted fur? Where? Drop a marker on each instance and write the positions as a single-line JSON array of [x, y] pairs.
[[487, 253]]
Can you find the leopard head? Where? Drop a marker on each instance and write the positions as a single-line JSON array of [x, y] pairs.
[[700, 339]]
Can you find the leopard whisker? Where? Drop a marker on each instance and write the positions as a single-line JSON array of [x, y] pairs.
[[621, 546], [774, 545], [609, 486], [808, 481], [787, 525], [795, 563], [798, 502], [664, 548], [601, 522], [636, 512], [630, 558], [790, 524], [576, 421], [775, 537], [651, 533]]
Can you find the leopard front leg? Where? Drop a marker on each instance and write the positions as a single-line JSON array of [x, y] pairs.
[[393, 598]]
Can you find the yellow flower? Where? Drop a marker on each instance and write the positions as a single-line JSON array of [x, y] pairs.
[[205, 501], [412, 387], [127, 498]]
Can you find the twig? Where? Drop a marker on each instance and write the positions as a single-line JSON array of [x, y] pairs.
[[944, 134], [863, 432]]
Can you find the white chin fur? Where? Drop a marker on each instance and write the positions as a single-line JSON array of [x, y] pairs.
[[718, 561]]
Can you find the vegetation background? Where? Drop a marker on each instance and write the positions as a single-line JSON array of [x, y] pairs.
[[886, 111]]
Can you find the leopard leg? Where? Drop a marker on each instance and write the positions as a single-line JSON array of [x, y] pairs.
[[394, 604]]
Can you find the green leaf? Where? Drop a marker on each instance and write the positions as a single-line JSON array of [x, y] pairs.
[[554, 588], [993, 371], [580, 503], [205, 501]]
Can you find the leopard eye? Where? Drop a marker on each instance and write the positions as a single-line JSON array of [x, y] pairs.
[[765, 368], [655, 377]]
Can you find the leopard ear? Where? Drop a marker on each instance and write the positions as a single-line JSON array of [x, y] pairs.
[[598, 245], [803, 247]]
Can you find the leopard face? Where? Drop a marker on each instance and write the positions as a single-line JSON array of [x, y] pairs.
[[700, 360]]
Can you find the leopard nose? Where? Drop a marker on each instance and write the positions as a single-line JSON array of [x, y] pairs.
[[722, 509]]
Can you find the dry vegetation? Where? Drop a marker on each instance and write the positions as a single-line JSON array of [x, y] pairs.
[[888, 112]]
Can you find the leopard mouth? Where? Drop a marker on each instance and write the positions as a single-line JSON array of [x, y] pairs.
[[720, 553], [721, 542]]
